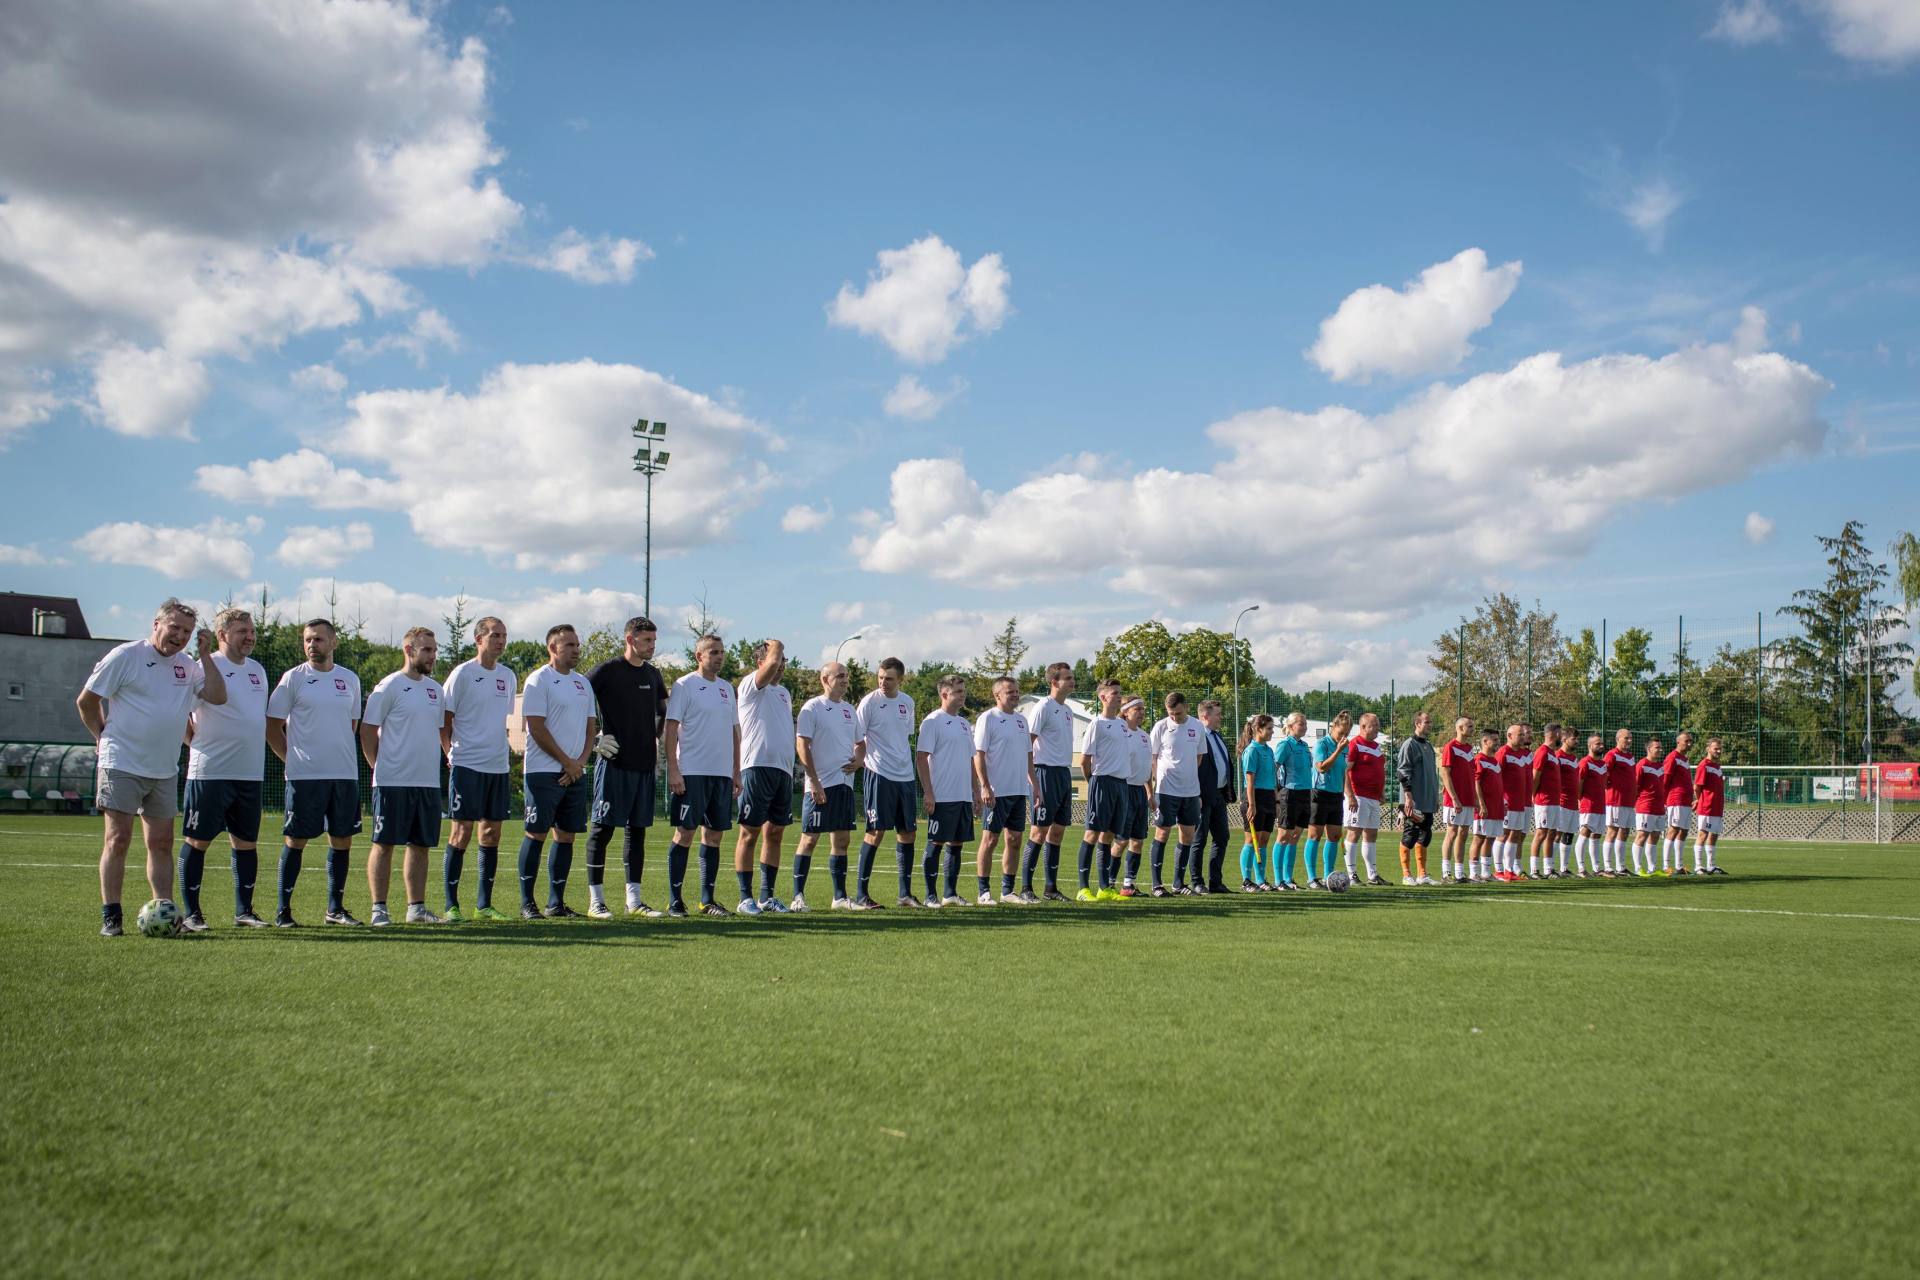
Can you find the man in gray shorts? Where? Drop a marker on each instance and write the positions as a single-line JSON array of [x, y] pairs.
[[136, 704]]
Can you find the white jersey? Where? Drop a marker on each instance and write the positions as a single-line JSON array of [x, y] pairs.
[[704, 709], [481, 703], [1007, 740], [230, 740], [884, 724], [1139, 757], [149, 697], [947, 742], [1109, 745], [566, 703], [1052, 733], [832, 729], [320, 708], [409, 712], [766, 726], [1177, 749]]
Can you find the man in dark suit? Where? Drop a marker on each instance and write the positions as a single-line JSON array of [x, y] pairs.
[[1216, 793]]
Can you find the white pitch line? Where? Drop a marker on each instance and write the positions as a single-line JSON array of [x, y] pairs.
[[60, 865], [1718, 911]]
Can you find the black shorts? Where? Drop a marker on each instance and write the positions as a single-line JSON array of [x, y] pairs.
[[550, 805], [1134, 825], [890, 805], [215, 805], [621, 797], [473, 796], [1266, 805], [1054, 805], [835, 813], [1107, 804], [766, 797], [329, 806], [1329, 809], [1009, 813], [1299, 809], [406, 816], [1417, 830], [1176, 811], [951, 823], [706, 802]]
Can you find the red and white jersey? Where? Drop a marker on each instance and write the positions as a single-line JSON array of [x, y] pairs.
[[1460, 771], [1619, 778], [1649, 787], [1593, 784], [1516, 774], [1678, 773], [1367, 768], [1711, 786], [1569, 777], [1546, 782], [1494, 808]]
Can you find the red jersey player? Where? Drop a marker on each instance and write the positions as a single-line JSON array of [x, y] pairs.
[[1516, 772], [1546, 802], [1710, 804], [1490, 821], [1676, 773], [1649, 806], [1459, 778], [1591, 772], [1620, 798]]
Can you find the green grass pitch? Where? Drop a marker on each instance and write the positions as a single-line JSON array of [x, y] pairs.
[[1680, 1078]]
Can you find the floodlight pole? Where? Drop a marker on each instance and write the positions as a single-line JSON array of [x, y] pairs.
[[649, 460], [844, 643], [1235, 641]]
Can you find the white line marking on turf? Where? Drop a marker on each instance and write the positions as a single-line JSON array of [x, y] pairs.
[[64, 866], [1718, 911]]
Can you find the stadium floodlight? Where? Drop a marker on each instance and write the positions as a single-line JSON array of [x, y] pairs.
[[849, 640], [1236, 665], [649, 461]]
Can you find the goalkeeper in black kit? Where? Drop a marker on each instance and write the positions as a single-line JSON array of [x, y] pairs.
[[633, 708]]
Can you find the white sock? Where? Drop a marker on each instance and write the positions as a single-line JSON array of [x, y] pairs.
[[1711, 850], [1346, 851], [633, 893], [1446, 866], [597, 894], [1636, 857], [1368, 854], [1698, 854], [1560, 849], [1486, 865]]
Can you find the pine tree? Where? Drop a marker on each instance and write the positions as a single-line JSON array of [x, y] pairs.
[[1003, 652]]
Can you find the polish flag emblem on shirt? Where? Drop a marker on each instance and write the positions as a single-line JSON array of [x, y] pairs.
[[340, 684], [179, 672]]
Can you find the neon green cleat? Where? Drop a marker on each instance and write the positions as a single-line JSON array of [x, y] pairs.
[[452, 915], [1110, 895], [490, 913], [1086, 895]]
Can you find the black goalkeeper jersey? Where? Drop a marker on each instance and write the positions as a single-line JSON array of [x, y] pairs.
[[633, 708]]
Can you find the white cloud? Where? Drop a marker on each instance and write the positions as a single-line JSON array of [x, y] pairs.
[[323, 378], [1758, 528], [148, 393], [1649, 205], [20, 555], [470, 472], [599, 260], [216, 546], [805, 519], [1885, 33], [1422, 328], [1750, 335], [844, 611], [212, 177], [426, 329], [921, 301], [1747, 22], [911, 400], [1431, 483], [322, 546]]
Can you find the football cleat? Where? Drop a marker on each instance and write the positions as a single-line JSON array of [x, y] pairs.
[[341, 916], [1111, 895], [676, 910], [907, 900], [716, 910], [639, 908], [248, 920], [490, 913], [1086, 895], [599, 910], [1376, 882], [454, 915], [866, 904], [747, 907], [799, 904], [1161, 891], [194, 923], [986, 899], [285, 920], [1248, 886], [380, 919], [841, 904], [953, 900], [112, 929], [1128, 891], [772, 906], [561, 911], [1053, 894], [529, 912], [420, 915]]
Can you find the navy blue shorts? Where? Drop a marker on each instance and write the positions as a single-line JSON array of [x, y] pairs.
[[322, 806], [1009, 813], [1054, 804], [1176, 811], [621, 797], [1134, 825], [473, 796], [890, 805], [1298, 813], [1329, 808], [707, 802], [406, 816], [215, 805], [550, 805], [951, 823], [1107, 804], [766, 797], [835, 813]]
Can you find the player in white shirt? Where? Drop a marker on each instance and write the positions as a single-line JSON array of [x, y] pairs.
[[400, 737], [885, 721], [313, 716], [1053, 778], [826, 740], [765, 711], [563, 730], [1105, 760], [135, 704], [1133, 833], [943, 753], [227, 748], [1177, 743], [479, 701], [1003, 767], [702, 750]]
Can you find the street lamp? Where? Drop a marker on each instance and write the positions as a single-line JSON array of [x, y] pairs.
[[849, 640], [650, 460], [1237, 722]]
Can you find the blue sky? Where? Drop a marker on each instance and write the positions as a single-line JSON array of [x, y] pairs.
[[457, 251]]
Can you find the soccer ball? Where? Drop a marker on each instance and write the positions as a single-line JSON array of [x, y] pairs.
[[1338, 881], [159, 918]]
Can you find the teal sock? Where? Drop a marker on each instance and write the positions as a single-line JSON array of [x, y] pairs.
[[1259, 865], [1246, 862], [1286, 861], [1313, 859]]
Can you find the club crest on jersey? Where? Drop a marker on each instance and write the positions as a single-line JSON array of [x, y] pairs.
[[499, 684], [339, 684], [578, 685], [253, 677], [433, 695], [179, 672]]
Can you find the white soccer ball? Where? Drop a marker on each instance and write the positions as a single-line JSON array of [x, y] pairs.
[[1339, 882], [159, 918]]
